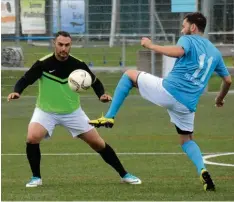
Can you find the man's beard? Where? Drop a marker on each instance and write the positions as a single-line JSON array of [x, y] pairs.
[[189, 32], [63, 56]]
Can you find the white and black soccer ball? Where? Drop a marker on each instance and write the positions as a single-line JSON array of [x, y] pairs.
[[79, 80]]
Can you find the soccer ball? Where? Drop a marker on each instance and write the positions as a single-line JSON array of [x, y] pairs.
[[79, 80]]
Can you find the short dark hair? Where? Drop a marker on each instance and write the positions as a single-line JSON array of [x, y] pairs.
[[198, 19], [62, 33]]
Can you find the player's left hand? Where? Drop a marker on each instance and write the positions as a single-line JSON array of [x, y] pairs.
[[105, 98], [146, 42]]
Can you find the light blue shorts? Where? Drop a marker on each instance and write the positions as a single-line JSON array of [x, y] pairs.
[[76, 122], [151, 89]]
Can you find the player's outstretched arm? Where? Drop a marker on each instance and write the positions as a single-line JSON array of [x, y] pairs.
[[97, 86], [100, 91], [20, 85], [27, 79], [171, 51], [225, 86], [13, 96]]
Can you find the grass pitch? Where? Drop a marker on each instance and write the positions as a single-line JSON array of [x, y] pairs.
[[141, 127]]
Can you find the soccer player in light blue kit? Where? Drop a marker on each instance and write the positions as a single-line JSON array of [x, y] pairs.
[[179, 92]]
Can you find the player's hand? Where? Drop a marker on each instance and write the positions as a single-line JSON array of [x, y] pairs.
[[146, 42], [13, 96], [105, 98], [219, 102]]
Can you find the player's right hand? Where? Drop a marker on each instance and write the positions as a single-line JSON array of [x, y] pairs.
[[219, 102], [146, 42], [13, 96]]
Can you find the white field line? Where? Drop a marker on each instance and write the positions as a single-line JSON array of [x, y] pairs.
[[205, 157], [124, 154], [91, 96], [216, 155], [91, 154]]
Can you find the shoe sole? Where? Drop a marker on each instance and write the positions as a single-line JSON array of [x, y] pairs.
[[106, 125], [136, 182], [35, 185]]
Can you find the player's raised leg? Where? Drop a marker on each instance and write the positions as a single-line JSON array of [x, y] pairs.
[[126, 83]]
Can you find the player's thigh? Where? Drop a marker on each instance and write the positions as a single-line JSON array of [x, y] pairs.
[[151, 89], [183, 118], [42, 124], [77, 122]]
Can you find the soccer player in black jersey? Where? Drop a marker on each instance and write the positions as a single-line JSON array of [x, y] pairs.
[[58, 105]]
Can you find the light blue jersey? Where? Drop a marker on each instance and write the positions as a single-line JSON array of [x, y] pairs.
[[192, 71]]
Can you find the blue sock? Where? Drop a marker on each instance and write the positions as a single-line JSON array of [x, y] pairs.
[[194, 153], [121, 92]]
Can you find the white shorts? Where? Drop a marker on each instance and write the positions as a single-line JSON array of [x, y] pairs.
[[76, 122], [151, 89]]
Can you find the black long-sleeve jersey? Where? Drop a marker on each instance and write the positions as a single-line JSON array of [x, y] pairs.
[[54, 95]]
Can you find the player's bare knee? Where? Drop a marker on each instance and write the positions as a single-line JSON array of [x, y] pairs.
[[185, 138], [34, 138], [93, 139], [132, 74], [36, 133], [97, 144]]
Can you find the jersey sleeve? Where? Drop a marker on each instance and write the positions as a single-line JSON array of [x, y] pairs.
[[221, 68], [96, 83], [184, 42], [34, 73], [28, 78]]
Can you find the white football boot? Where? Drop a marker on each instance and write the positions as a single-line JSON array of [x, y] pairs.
[[34, 182], [130, 179]]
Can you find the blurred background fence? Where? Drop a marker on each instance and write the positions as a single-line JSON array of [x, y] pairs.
[[106, 33]]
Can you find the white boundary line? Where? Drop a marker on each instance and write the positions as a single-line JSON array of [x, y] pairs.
[[216, 155], [91, 154], [92, 96], [210, 154], [207, 155]]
